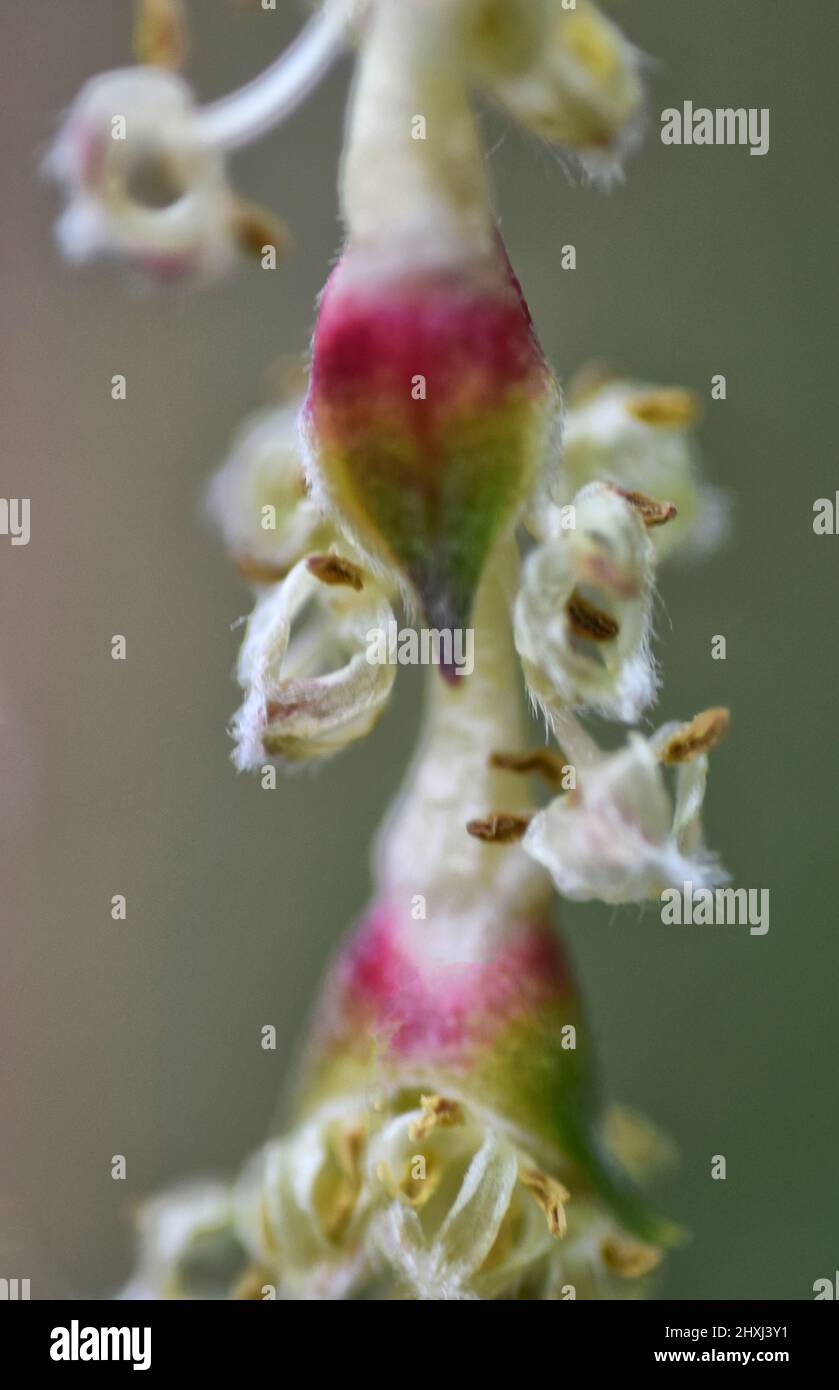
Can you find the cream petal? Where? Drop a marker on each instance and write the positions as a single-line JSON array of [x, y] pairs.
[[642, 438], [311, 693], [259, 499], [582, 616], [617, 838]]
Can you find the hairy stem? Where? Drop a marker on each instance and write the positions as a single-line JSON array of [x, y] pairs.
[[472, 890]]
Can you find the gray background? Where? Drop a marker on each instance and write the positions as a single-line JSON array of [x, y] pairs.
[[143, 1038]]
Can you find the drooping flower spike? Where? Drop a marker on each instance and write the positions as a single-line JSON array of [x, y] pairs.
[[447, 1138]]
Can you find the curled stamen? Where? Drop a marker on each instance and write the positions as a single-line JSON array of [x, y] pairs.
[[550, 1195], [499, 828]]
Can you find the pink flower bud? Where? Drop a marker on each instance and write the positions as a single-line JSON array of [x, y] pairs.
[[430, 409]]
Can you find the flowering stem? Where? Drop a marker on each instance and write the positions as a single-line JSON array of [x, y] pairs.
[[423, 847], [414, 182], [253, 110]]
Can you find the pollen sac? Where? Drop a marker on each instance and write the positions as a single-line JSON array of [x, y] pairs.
[[430, 409]]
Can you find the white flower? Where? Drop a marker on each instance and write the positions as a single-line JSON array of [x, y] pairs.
[[641, 438], [312, 691], [142, 182], [463, 1213], [582, 614], [260, 501], [433, 1202], [578, 81], [299, 1208], [188, 1247], [618, 836]]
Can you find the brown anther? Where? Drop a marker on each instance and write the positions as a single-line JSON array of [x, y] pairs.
[[588, 621], [334, 569], [628, 1258], [671, 407], [436, 1111], [547, 762], [500, 828], [256, 230], [160, 34], [702, 734], [651, 512], [550, 1195]]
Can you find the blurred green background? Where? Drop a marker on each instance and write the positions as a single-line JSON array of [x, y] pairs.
[[142, 1038]]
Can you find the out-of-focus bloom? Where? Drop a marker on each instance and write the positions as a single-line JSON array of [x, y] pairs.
[[572, 77], [143, 166], [312, 691], [641, 438], [141, 181], [619, 836], [259, 499], [447, 1140], [582, 615], [188, 1247], [301, 1208]]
